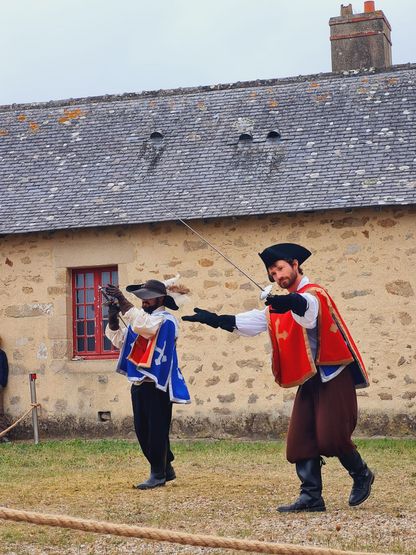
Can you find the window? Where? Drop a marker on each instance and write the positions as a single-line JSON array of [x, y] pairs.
[[90, 314]]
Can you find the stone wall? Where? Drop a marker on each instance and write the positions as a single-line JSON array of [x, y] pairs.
[[364, 257]]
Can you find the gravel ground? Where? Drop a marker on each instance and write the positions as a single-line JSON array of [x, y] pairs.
[[216, 493]]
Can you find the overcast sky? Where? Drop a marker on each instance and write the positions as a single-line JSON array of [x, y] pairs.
[[58, 49]]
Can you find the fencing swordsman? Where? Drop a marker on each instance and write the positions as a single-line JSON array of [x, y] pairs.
[[312, 349], [148, 358]]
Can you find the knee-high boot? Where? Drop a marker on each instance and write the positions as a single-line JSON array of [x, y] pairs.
[[362, 476], [310, 498]]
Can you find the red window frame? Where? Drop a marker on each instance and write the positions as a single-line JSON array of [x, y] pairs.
[[90, 314]]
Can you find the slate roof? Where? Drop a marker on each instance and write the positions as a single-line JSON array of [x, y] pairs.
[[346, 141]]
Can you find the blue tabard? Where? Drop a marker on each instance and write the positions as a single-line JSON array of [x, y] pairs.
[[164, 369]]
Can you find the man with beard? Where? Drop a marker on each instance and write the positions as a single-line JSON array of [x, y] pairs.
[[149, 360], [312, 349]]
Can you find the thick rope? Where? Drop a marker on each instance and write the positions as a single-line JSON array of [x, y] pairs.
[[155, 534], [4, 432]]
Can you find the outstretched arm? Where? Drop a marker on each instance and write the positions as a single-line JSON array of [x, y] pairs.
[[224, 321], [247, 324]]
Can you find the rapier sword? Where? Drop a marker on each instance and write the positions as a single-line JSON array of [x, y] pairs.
[[265, 291]]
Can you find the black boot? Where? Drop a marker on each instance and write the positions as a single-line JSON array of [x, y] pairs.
[[170, 473], [363, 477], [310, 498], [155, 480]]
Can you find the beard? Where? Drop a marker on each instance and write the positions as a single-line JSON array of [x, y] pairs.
[[287, 282]]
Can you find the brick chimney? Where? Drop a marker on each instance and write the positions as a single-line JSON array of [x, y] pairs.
[[361, 40]]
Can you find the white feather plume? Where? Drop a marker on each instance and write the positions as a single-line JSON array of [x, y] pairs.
[[178, 292], [171, 281]]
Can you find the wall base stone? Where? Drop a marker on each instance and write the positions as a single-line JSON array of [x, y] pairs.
[[255, 426]]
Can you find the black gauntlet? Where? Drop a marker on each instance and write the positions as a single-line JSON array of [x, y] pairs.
[[283, 303], [114, 291], [113, 310], [225, 322]]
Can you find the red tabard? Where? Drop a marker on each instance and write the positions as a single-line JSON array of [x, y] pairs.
[[292, 360], [142, 351]]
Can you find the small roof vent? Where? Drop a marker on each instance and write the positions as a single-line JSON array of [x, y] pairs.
[[245, 138], [273, 136], [156, 136]]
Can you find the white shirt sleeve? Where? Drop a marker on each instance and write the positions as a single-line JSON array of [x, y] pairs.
[[251, 323], [141, 323], [115, 336], [254, 321], [309, 319]]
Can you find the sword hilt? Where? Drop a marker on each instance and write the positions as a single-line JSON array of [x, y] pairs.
[[110, 300]]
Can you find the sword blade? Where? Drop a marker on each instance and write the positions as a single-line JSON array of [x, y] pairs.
[[218, 251]]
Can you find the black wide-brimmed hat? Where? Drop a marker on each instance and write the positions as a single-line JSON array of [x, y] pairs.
[[284, 251], [152, 289]]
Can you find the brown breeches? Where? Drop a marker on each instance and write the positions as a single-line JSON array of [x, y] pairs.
[[323, 419]]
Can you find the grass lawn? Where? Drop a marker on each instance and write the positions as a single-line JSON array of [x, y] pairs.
[[226, 488]]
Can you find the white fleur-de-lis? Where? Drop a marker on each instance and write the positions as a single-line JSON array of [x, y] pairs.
[[161, 358]]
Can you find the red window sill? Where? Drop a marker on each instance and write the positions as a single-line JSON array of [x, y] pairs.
[[111, 356]]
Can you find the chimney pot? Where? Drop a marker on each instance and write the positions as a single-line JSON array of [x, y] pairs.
[[369, 6], [346, 10]]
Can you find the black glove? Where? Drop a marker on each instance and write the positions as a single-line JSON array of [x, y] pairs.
[[224, 321], [114, 291], [113, 310], [283, 303]]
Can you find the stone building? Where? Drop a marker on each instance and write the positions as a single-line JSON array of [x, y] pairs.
[[91, 190]]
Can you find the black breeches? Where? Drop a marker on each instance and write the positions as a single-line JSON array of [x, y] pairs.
[[152, 413]]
